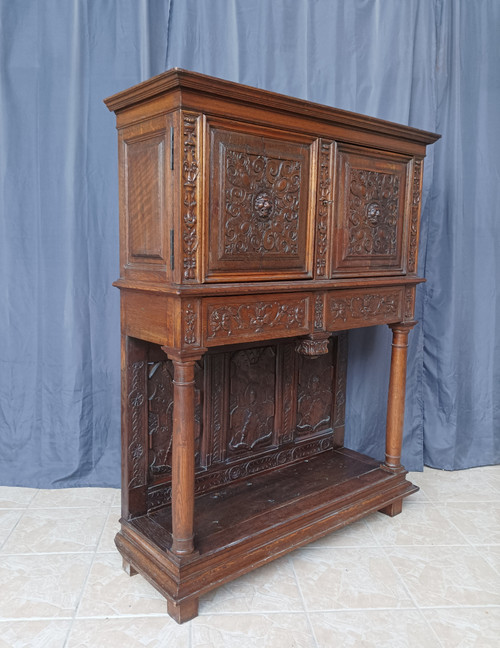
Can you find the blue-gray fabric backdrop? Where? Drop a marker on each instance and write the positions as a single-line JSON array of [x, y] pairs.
[[433, 64]]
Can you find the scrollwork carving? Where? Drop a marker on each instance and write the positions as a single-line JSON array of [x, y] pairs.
[[262, 197], [363, 307], [227, 320]]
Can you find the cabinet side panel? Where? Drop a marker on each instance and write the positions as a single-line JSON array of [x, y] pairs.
[[145, 200]]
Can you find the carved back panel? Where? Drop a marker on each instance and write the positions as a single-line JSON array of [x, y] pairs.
[[257, 408]]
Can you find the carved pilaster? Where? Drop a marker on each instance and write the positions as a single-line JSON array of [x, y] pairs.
[[415, 215], [190, 207], [324, 205]]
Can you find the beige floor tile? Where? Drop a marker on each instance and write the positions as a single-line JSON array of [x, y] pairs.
[[479, 523], [270, 588], [252, 631], [356, 534], [117, 497], [466, 627], [34, 634], [474, 485], [73, 497], [112, 526], [420, 523], [8, 520], [333, 579], [491, 554], [56, 531], [110, 592], [372, 629], [445, 576], [41, 585], [420, 495], [13, 497], [137, 632]]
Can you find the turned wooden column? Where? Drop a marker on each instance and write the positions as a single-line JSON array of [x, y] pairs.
[[183, 454], [396, 398]]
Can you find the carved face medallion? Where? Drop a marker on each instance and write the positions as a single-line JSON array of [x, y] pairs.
[[263, 205], [373, 214]]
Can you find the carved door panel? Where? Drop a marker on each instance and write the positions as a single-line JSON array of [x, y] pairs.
[[260, 204], [370, 215]]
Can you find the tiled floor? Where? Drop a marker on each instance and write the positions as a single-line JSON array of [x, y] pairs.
[[429, 577]]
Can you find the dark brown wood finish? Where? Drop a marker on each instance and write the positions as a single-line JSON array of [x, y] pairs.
[[254, 229]]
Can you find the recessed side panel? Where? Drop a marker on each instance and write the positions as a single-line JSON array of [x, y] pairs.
[[260, 204], [145, 199], [145, 191], [371, 212]]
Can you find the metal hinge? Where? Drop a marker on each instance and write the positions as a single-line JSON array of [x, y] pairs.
[[171, 147], [172, 258]]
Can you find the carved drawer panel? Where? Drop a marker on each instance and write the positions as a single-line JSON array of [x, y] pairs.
[[370, 224], [260, 205], [363, 307], [246, 319]]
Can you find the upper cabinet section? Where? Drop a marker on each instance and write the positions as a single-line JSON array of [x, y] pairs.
[[224, 183]]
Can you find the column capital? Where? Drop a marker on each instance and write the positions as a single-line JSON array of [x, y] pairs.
[[184, 355], [402, 327]]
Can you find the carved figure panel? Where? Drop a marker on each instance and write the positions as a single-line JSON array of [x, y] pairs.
[[314, 394], [257, 408], [160, 396], [252, 399], [259, 201]]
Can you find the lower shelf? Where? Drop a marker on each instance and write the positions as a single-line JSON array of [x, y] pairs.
[[250, 523]]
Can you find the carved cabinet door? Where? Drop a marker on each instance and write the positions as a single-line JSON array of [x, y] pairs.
[[261, 188], [372, 210]]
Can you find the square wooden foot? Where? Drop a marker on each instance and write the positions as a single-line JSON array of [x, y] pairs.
[[182, 612], [128, 569], [393, 509]]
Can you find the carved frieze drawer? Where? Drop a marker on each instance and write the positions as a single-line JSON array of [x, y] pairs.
[[363, 307], [248, 319]]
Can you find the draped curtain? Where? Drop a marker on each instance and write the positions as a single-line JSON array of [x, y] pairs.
[[432, 64]]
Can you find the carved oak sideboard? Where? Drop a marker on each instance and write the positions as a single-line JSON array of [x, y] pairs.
[[254, 229]]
